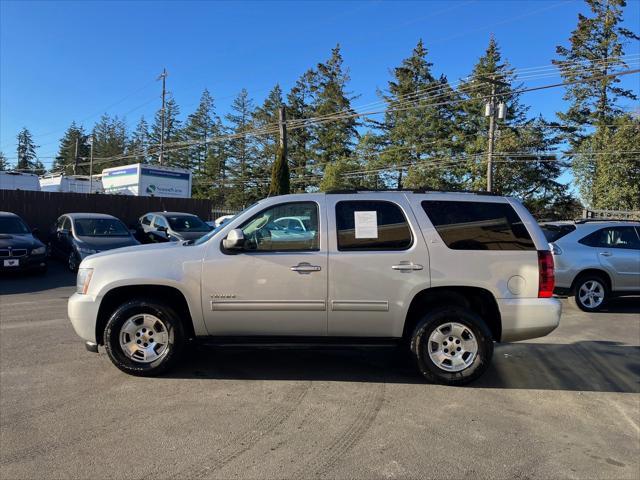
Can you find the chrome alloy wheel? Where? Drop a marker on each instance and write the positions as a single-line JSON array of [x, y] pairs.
[[144, 338], [591, 294], [452, 347]]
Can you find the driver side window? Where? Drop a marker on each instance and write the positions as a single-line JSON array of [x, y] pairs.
[[268, 231]]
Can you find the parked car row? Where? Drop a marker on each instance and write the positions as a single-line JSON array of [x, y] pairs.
[[75, 236]]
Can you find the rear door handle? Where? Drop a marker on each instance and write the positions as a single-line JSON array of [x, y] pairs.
[[305, 267], [407, 267], [605, 254]]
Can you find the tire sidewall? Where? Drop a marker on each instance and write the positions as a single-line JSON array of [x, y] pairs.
[[436, 318], [581, 281], [175, 333]]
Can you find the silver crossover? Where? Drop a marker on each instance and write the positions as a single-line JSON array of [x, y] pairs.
[[595, 260]]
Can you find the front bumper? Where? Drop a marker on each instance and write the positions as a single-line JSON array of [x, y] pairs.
[[526, 318], [83, 314], [24, 263]]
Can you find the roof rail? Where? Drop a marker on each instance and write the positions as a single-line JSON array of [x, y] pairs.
[[408, 190], [589, 220]]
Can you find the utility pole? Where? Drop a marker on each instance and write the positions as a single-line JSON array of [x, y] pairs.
[[162, 76], [91, 164], [282, 124], [492, 112], [75, 158]]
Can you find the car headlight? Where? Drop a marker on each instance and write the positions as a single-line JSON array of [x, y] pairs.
[[83, 280], [87, 251], [39, 251]]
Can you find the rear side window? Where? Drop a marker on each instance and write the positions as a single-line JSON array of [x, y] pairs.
[[371, 225], [556, 232], [146, 220], [613, 237], [478, 225]]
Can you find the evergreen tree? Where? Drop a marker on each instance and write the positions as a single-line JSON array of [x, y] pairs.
[[521, 166], [139, 144], [596, 47], [267, 117], [109, 143], [173, 154], [300, 102], [279, 175], [332, 140], [242, 153], [4, 163], [66, 159], [614, 182], [202, 125], [27, 158], [419, 125]]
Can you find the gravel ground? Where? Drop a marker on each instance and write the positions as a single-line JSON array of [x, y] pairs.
[[563, 406]]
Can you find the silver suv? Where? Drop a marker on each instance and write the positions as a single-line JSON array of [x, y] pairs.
[[595, 260], [446, 274]]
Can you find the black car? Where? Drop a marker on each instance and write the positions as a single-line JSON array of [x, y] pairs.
[[170, 226], [19, 249], [78, 235]]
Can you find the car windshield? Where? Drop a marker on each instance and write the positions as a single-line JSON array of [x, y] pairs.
[[556, 232], [187, 223], [13, 225], [100, 227]]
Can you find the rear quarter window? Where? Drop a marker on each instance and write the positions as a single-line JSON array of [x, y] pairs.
[[478, 225], [556, 232]]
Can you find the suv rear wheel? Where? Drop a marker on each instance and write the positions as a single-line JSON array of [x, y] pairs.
[[591, 293], [144, 337], [452, 346]]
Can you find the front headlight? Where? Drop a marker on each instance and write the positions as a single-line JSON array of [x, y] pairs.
[[39, 251], [83, 279]]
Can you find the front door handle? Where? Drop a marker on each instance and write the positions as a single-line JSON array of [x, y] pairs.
[[305, 267], [407, 267], [605, 254]]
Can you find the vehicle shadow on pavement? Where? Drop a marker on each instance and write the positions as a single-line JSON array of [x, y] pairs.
[[13, 283], [597, 366]]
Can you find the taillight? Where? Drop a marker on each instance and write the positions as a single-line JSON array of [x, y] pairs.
[[546, 281]]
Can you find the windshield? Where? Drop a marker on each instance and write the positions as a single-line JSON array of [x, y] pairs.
[[187, 223], [556, 232], [13, 225], [100, 227]]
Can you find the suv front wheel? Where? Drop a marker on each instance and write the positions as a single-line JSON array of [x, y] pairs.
[[144, 337], [452, 346]]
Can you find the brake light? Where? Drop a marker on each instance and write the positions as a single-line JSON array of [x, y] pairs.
[[546, 280]]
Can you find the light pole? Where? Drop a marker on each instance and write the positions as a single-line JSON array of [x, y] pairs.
[[90, 140]]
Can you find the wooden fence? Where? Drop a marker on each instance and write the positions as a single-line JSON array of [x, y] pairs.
[[41, 209]]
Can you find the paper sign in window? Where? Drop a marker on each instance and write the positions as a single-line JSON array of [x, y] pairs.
[[366, 224]]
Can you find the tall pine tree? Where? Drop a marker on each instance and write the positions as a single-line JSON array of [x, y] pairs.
[[300, 102], [4, 162], [266, 117], [73, 149], [174, 155], [139, 144], [109, 142], [27, 158]]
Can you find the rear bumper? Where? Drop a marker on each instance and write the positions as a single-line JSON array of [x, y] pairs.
[[526, 318], [83, 314]]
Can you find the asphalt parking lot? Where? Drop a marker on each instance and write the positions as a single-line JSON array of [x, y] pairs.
[[563, 406]]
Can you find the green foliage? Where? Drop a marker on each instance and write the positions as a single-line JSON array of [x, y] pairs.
[[266, 117], [139, 145], [300, 107], [109, 140], [66, 159], [279, 175], [4, 163], [27, 158], [173, 134]]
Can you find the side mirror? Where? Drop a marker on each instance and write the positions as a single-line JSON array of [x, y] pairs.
[[235, 240]]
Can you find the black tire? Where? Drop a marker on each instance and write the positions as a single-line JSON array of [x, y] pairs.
[[175, 333], [584, 280], [73, 262], [437, 318]]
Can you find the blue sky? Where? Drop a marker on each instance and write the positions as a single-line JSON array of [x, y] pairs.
[[64, 61]]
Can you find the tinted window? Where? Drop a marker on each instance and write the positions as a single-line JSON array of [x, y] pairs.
[[266, 231], [613, 237], [66, 224], [371, 225], [100, 227], [13, 225], [556, 232], [187, 223], [478, 225], [146, 220]]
